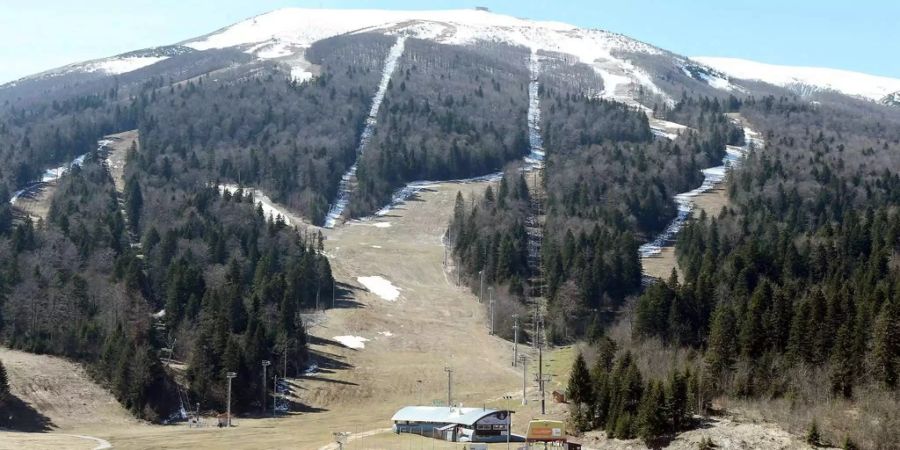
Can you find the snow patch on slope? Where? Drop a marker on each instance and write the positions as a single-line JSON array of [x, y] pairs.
[[891, 99], [380, 287], [118, 66], [858, 84], [354, 342]]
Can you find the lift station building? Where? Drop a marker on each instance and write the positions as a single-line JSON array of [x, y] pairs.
[[456, 424]]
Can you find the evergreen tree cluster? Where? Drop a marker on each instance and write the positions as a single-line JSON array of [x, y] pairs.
[[614, 396], [489, 239], [233, 282], [73, 287], [449, 112], [52, 133], [610, 185], [798, 273], [292, 140]]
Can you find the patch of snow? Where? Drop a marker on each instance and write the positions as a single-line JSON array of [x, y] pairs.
[[118, 66], [376, 246], [665, 129], [354, 342], [159, 314], [386, 333], [271, 210], [858, 84], [300, 75], [380, 287]]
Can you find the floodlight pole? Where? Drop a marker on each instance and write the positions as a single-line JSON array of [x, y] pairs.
[[265, 363], [515, 339], [481, 292], [491, 294], [229, 376], [524, 360]]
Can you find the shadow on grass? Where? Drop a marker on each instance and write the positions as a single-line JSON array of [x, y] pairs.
[[16, 415]]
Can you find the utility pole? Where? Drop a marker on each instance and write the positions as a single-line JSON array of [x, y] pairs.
[[229, 376], [524, 360], [491, 293], [515, 339], [449, 371], [265, 363], [541, 381], [481, 292], [275, 396]]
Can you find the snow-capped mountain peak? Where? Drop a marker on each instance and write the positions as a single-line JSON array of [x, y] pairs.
[[284, 33], [856, 84]]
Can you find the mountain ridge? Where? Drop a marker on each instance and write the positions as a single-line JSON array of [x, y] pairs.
[[283, 35]]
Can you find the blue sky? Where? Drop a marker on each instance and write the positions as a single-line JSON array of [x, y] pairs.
[[860, 35]]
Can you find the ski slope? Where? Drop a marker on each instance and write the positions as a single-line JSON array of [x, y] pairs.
[[857, 84]]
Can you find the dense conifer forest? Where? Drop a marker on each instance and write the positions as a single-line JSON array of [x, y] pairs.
[[789, 293], [449, 112]]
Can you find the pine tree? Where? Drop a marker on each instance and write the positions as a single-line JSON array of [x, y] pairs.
[[651, 420], [4, 383], [813, 437], [886, 345], [579, 389], [842, 365], [676, 400], [721, 348]]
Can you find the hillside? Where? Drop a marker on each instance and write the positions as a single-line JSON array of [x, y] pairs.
[[370, 205]]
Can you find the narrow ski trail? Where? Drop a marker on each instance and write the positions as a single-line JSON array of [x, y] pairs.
[[712, 177], [345, 188]]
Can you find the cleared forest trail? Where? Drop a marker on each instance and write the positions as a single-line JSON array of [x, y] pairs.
[[345, 188], [658, 256]]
